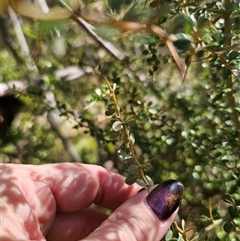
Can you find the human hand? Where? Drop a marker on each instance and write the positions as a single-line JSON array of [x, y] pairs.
[[53, 202]]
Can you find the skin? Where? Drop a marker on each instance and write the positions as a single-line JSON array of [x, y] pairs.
[[54, 202]]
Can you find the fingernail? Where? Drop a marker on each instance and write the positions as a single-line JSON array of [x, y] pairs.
[[165, 198]]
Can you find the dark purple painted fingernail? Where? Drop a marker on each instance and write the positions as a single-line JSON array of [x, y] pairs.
[[165, 198]]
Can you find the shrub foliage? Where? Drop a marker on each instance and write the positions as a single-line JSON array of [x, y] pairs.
[[149, 89]]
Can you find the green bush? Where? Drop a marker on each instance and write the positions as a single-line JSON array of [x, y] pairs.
[[154, 88]]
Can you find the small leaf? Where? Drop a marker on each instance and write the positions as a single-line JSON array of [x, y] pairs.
[[141, 182], [215, 212], [204, 218], [227, 198], [149, 180], [132, 138], [114, 86], [233, 211], [130, 180], [169, 235], [117, 126], [228, 227], [180, 238], [111, 106], [131, 123], [133, 168], [233, 55], [188, 60], [128, 159], [202, 22], [115, 5], [124, 155], [233, 188], [183, 42], [183, 224], [227, 90], [113, 134], [127, 130], [110, 110]]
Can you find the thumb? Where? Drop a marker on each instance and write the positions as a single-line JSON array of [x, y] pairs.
[[144, 217]]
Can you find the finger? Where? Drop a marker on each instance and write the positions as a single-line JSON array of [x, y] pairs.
[[68, 187], [70, 226], [77, 186], [144, 217], [19, 221]]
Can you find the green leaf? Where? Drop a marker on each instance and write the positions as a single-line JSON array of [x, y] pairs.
[[107, 32], [204, 218], [233, 211], [183, 224], [179, 23], [233, 188], [130, 180], [131, 123], [183, 43], [180, 237], [227, 198], [233, 55], [228, 227], [136, 13], [113, 134], [114, 86], [110, 109], [202, 22], [132, 138], [109, 112], [226, 73], [115, 5], [133, 168], [117, 126], [46, 29], [124, 155], [168, 235], [188, 60], [149, 180], [141, 182]]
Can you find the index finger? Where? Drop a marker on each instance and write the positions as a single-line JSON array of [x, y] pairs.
[[77, 186]]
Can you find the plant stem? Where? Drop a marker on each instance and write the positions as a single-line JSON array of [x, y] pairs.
[[131, 147], [203, 234]]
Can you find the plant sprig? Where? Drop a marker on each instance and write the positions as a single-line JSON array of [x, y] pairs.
[[122, 127]]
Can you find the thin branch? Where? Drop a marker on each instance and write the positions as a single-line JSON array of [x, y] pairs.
[[106, 44], [129, 141], [43, 5], [21, 39], [211, 227], [90, 29], [71, 150]]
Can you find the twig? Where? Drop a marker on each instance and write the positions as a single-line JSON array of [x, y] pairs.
[[90, 29], [129, 141], [71, 150], [209, 228], [43, 5], [21, 39], [107, 45]]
